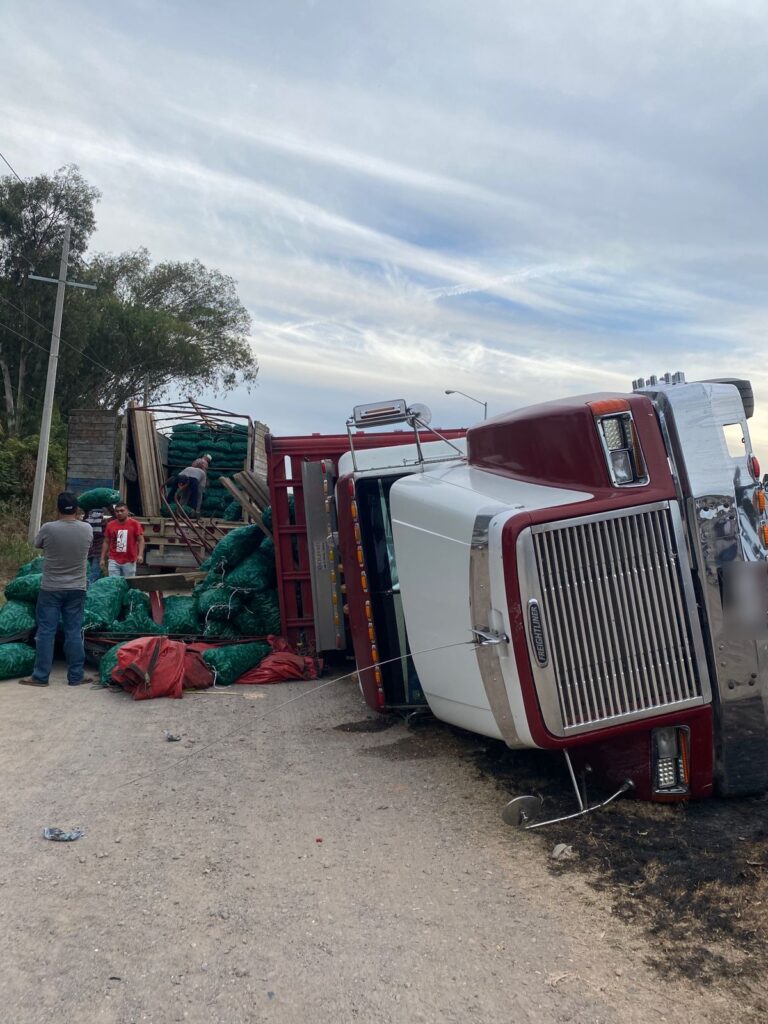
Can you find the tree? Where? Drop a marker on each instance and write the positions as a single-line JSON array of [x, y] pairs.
[[145, 328], [149, 327], [33, 214]]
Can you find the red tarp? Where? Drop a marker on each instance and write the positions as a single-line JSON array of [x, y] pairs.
[[158, 667]]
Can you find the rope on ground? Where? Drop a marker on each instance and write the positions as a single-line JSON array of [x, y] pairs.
[[285, 703]]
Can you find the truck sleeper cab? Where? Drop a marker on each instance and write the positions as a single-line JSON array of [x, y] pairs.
[[594, 545]]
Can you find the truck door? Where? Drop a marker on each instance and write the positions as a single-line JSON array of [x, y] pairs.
[[318, 479]]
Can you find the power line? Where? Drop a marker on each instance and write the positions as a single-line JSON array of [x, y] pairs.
[[13, 172], [24, 337], [61, 339]]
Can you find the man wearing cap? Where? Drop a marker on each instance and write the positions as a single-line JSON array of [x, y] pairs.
[[65, 544]]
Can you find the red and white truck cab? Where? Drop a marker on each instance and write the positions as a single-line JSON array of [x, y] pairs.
[[585, 575]]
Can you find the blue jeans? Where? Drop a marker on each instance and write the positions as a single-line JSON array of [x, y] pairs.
[[68, 604], [193, 496], [94, 569], [126, 569]]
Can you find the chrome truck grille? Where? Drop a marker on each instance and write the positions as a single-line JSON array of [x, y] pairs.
[[608, 620]]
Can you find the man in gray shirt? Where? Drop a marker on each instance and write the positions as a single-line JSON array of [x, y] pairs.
[[65, 544]]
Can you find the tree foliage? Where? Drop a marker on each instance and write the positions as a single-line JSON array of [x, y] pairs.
[[144, 329]]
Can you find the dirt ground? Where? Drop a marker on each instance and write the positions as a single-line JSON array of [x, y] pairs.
[[305, 860]]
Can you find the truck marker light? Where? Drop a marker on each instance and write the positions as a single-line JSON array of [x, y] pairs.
[[364, 582], [760, 501], [353, 509], [371, 634], [609, 405], [754, 467], [358, 536], [351, 489], [360, 556], [764, 534]]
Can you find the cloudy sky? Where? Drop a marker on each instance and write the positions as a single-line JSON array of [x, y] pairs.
[[521, 199]]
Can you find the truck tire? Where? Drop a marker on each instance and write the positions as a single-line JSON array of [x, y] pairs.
[[744, 388]]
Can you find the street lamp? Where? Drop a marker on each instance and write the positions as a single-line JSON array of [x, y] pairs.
[[484, 404]]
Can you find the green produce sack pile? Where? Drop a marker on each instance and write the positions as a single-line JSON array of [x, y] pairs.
[[104, 602], [238, 596], [255, 572], [108, 663], [137, 623], [180, 615], [99, 497], [24, 588], [36, 565], [228, 446], [16, 660], [233, 513], [16, 617], [218, 603], [266, 610], [234, 660], [134, 599], [232, 549], [216, 630]]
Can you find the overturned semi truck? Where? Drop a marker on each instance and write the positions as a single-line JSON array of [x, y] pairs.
[[585, 575]]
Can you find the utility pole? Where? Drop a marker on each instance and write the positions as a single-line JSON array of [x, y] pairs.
[[50, 384]]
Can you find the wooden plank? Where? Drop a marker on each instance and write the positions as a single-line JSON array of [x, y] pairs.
[[247, 505], [253, 488], [147, 460], [170, 581]]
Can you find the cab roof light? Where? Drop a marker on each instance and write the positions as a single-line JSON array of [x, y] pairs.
[[606, 406]]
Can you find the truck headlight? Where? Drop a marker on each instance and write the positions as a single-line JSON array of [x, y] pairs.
[[620, 443]]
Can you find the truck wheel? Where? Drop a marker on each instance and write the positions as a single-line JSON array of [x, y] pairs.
[[744, 388]]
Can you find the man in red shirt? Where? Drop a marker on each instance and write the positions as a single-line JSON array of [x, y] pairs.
[[123, 547]]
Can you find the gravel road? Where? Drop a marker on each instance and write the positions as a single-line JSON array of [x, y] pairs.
[[286, 863]]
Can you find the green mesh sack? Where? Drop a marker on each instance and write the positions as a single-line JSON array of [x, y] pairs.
[[248, 623], [137, 623], [99, 497], [16, 660], [108, 663], [234, 660], [266, 610], [16, 617], [103, 602], [25, 588], [233, 548], [233, 513], [216, 630], [180, 615], [218, 603], [36, 565], [254, 573], [134, 599]]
